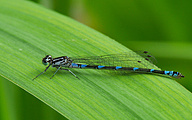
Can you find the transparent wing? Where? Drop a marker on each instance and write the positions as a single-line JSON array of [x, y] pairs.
[[139, 59]]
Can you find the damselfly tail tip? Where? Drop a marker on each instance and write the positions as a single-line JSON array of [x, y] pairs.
[[180, 76]]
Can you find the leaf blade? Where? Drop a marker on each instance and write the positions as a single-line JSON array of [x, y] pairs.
[[28, 32]]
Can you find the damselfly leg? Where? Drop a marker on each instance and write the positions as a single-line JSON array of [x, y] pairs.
[[56, 71], [59, 68], [70, 72], [42, 72]]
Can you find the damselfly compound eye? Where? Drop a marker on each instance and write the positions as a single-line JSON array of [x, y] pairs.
[[46, 59]]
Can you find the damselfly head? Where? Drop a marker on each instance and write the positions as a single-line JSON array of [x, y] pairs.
[[47, 59]]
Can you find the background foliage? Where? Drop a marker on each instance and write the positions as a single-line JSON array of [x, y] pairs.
[[161, 27]]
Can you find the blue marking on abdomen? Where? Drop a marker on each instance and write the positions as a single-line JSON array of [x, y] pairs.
[[118, 67], [176, 74], [171, 73], [166, 72], [151, 70], [83, 66], [100, 66], [74, 65], [135, 68]]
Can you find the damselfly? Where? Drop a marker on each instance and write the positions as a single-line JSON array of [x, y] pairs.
[[125, 61]]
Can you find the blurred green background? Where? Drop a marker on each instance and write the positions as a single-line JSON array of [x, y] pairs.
[[162, 27]]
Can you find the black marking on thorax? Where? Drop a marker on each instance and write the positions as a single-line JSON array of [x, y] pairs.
[[58, 59]]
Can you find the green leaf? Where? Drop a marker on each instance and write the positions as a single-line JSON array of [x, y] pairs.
[[28, 32]]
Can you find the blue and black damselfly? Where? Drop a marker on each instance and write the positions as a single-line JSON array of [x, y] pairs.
[[125, 61]]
